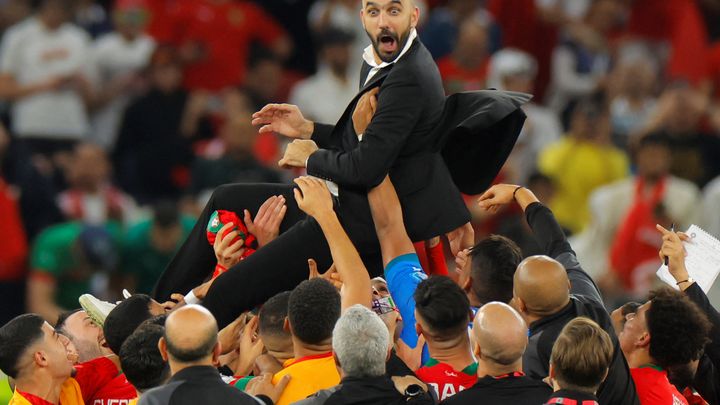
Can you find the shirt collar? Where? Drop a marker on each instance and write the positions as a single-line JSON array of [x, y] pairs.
[[369, 56]]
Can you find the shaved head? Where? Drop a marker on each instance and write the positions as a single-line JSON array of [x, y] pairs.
[[501, 333], [191, 333], [542, 284]]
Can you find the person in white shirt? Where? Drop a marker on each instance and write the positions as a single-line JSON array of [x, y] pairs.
[[118, 58], [515, 70], [43, 71], [323, 96]]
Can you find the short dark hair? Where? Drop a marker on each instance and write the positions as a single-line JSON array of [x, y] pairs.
[[190, 355], [443, 306], [272, 315], [16, 337], [62, 319], [122, 321], [166, 214], [678, 328], [581, 355], [313, 310], [141, 360], [494, 261]]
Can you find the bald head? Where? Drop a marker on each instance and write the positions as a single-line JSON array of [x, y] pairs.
[[542, 284], [501, 333], [191, 334]]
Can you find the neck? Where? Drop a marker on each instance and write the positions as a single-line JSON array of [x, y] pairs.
[[492, 369], [302, 349], [43, 386], [457, 356], [638, 358], [176, 367]]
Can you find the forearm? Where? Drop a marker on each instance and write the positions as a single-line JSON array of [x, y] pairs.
[[389, 226], [350, 266], [12, 90]]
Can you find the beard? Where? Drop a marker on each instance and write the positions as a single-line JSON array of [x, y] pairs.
[[389, 44]]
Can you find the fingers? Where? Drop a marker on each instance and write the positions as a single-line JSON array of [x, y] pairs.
[[662, 229], [280, 386], [248, 219], [218, 236], [298, 196], [312, 266]]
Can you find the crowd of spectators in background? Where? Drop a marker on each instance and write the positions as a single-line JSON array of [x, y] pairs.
[[119, 118]]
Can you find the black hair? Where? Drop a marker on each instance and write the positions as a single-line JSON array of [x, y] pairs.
[[272, 315], [140, 358], [122, 321], [443, 306], [678, 328], [16, 337], [313, 310], [62, 319], [494, 261], [166, 214]]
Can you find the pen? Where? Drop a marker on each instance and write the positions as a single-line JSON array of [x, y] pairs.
[[672, 229]]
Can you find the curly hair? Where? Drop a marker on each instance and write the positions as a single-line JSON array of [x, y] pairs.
[[313, 310], [678, 328]]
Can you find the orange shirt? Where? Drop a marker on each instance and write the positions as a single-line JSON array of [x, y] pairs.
[[309, 374]]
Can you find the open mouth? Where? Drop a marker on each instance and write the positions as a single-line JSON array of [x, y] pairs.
[[388, 43]]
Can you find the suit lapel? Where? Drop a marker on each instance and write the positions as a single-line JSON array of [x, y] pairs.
[[379, 76]]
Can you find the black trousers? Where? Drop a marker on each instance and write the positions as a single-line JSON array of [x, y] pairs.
[[279, 266]]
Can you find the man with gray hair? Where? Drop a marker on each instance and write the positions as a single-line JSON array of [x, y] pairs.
[[361, 346]]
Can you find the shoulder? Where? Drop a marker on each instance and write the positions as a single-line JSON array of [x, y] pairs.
[[60, 234]]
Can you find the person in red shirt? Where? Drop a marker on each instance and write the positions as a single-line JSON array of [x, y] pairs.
[[215, 36], [466, 68], [38, 359], [666, 331], [442, 316], [88, 340]]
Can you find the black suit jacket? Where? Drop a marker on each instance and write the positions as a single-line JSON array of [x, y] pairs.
[[404, 139]]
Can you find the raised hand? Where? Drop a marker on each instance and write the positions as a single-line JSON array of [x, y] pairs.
[[673, 249], [502, 194], [313, 197], [331, 275], [266, 225], [364, 110], [461, 238], [285, 119]]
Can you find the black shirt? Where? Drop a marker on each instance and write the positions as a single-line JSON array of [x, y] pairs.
[[618, 388], [516, 390], [198, 385]]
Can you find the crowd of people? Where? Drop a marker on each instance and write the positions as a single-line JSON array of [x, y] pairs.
[[135, 132]]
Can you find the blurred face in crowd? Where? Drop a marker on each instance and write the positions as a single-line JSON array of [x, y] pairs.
[[604, 14], [635, 331], [472, 43], [265, 77], [592, 126], [653, 161], [337, 57], [388, 24], [519, 82], [636, 79], [89, 168], [86, 336], [686, 109], [165, 238], [130, 22], [166, 77], [54, 13], [239, 134]]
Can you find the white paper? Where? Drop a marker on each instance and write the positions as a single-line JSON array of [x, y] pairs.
[[702, 260]]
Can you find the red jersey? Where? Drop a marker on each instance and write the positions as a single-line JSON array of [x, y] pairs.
[[457, 78], [653, 387], [445, 380], [118, 391], [222, 34]]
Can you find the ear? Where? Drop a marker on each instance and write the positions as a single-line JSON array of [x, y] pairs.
[[162, 346], [418, 328], [643, 340], [551, 372], [477, 350], [286, 325], [467, 285], [415, 17], [607, 371], [40, 359], [217, 351]]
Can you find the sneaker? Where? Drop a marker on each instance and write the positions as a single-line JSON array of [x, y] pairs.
[[96, 309]]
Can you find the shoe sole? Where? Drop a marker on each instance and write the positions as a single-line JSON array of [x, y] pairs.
[[94, 312]]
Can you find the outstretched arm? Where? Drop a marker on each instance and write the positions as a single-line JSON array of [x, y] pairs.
[[314, 199], [389, 225], [546, 230]]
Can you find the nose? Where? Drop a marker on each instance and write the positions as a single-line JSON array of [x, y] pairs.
[[382, 21]]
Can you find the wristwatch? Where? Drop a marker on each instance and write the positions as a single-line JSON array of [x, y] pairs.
[[413, 390]]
